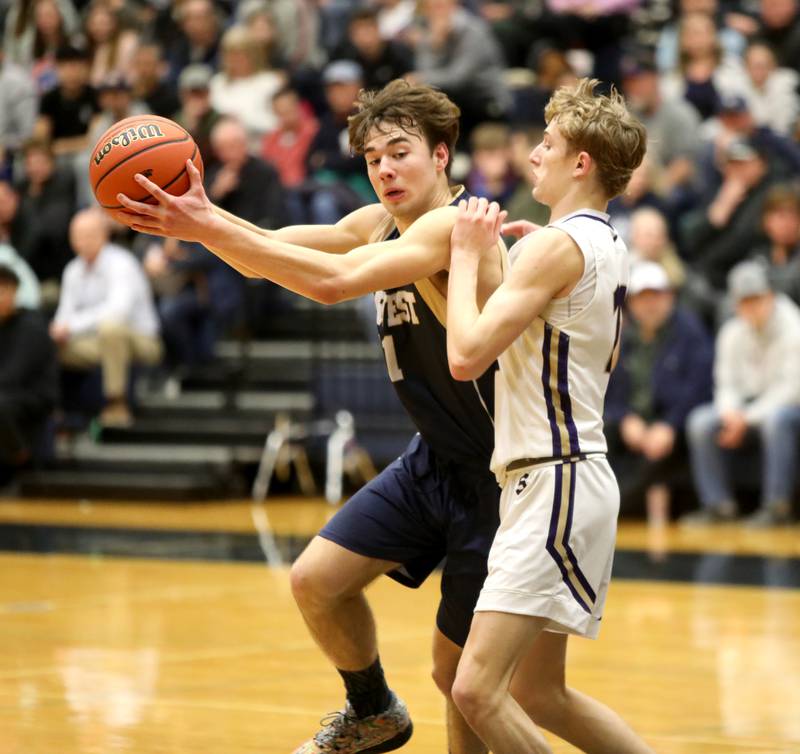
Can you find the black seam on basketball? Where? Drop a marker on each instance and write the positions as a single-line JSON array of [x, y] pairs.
[[123, 125], [136, 154], [150, 196]]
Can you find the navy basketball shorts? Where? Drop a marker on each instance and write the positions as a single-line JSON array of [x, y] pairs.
[[420, 511]]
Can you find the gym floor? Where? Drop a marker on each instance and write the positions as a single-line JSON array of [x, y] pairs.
[[171, 629]]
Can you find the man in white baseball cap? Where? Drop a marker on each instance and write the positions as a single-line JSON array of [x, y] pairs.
[[756, 396]]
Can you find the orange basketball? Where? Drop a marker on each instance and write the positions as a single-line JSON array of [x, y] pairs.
[[149, 144]]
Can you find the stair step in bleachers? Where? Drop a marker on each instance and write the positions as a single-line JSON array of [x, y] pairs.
[[126, 485], [201, 435]]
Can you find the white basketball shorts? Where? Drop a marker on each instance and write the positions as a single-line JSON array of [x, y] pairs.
[[552, 555]]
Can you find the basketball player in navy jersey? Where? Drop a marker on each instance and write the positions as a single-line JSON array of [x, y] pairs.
[[439, 499], [554, 325]]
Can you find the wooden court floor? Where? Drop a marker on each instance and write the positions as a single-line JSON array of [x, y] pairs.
[[190, 652]]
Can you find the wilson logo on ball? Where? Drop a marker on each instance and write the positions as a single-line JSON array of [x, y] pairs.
[[127, 137]]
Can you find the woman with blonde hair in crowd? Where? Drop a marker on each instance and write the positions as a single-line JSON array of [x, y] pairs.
[[244, 87]]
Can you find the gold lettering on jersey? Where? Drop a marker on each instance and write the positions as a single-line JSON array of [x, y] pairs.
[[127, 137], [398, 307]]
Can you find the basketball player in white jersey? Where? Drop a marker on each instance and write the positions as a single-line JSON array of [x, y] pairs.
[[554, 325]]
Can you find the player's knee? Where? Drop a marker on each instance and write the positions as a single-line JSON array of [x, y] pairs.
[[444, 675], [476, 700], [306, 583]]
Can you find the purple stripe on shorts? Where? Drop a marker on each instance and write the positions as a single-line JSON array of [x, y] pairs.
[[551, 538], [568, 528]]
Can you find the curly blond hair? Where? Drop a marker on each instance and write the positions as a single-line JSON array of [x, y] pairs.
[[602, 126]]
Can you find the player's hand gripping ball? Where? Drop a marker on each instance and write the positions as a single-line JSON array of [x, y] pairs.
[[151, 145]]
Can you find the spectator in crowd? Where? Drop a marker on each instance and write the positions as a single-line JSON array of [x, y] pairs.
[[47, 195], [780, 28], [28, 377], [210, 294], [197, 115], [395, 18], [381, 59], [457, 53], [704, 73], [200, 27], [492, 174], [287, 146], [516, 26], [771, 92], [19, 106], [551, 69], [717, 236], [780, 219], [650, 242], [598, 28], [257, 17], [297, 29], [338, 181], [28, 293], [672, 123], [106, 316], [756, 395], [664, 371], [66, 112], [30, 25], [149, 81], [731, 35], [243, 88], [735, 121], [111, 46], [16, 224], [242, 183], [642, 191]]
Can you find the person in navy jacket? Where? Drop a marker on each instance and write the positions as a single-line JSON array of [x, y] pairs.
[[664, 371]]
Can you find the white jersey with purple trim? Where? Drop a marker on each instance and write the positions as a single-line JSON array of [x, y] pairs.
[[551, 385]]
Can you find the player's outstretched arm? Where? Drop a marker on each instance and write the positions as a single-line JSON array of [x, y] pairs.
[[352, 230], [549, 263], [420, 252], [187, 216]]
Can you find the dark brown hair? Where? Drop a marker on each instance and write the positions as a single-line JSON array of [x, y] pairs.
[[780, 197], [408, 107]]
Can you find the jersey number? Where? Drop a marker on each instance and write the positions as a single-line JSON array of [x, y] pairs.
[[619, 300], [395, 373]]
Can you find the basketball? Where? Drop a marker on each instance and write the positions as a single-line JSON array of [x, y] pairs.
[[151, 145]]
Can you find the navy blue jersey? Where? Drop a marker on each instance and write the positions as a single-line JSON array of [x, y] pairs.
[[454, 418]]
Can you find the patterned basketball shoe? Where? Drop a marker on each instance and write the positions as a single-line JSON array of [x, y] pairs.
[[344, 733]]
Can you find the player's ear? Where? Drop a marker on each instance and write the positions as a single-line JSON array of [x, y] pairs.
[[441, 155], [583, 163]]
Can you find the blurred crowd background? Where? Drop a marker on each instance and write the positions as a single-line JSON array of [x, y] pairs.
[[706, 398]]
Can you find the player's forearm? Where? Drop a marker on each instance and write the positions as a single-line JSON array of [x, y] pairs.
[[322, 237], [463, 348], [309, 272], [230, 217]]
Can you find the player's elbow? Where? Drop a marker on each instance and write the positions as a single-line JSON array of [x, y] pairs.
[[463, 368], [330, 290], [340, 285]]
